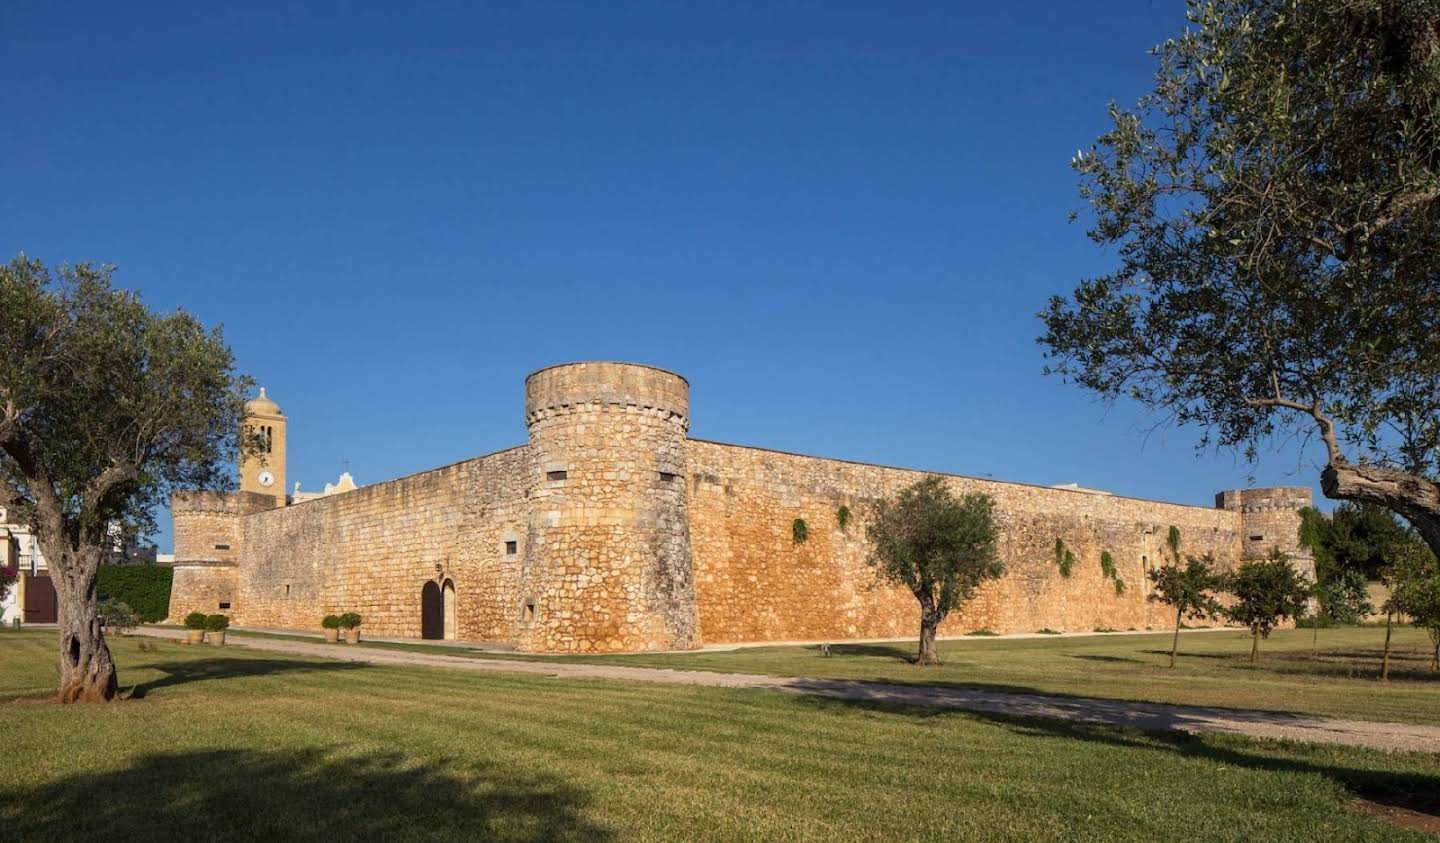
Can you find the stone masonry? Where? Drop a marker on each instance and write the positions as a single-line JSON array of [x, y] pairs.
[[611, 531]]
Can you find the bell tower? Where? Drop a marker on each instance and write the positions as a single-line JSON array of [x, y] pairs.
[[262, 470]]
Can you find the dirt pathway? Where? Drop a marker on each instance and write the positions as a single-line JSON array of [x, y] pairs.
[[1139, 715]]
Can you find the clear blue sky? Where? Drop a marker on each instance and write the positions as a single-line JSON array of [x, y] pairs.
[[837, 220]]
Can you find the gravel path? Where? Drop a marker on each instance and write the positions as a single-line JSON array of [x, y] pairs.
[[1140, 715]]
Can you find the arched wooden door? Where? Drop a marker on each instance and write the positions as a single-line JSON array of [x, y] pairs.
[[432, 611]]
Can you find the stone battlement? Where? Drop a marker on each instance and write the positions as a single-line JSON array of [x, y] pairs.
[[611, 531]]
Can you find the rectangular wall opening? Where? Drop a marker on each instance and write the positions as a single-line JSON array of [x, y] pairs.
[[556, 475]]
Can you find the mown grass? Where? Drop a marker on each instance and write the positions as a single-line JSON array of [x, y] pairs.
[[1213, 668], [229, 744]]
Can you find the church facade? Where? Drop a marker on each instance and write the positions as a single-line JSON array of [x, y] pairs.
[[611, 530]]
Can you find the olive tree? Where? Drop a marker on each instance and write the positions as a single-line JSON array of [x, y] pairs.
[[1274, 209], [1341, 599], [1415, 591], [939, 546], [1188, 589], [105, 406], [1267, 591]]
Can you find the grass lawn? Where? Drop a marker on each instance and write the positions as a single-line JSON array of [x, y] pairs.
[[1213, 668], [231, 744]]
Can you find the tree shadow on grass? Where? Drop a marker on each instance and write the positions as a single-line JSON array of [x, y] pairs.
[[297, 795], [882, 651], [1090, 657], [203, 670], [1415, 793]]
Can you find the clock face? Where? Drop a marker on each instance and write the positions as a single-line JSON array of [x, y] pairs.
[[266, 478]]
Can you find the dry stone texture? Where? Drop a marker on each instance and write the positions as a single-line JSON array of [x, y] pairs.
[[628, 536]]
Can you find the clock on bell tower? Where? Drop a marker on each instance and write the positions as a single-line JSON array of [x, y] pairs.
[[262, 469]]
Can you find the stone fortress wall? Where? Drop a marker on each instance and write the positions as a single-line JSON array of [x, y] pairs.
[[610, 531]]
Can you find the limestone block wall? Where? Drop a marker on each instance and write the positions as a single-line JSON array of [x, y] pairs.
[[208, 587], [754, 583], [1271, 519], [607, 563], [372, 550], [207, 524]]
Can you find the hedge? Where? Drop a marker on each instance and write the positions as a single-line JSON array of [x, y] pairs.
[[144, 588]]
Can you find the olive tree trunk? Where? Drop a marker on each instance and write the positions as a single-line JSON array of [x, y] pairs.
[[1385, 659], [1254, 646], [929, 623], [1411, 496], [1175, 641], [87, 670]]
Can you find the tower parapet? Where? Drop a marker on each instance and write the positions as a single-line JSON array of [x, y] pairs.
[[608, 528], [1270, 519]]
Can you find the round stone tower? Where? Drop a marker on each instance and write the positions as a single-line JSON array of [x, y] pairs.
[[607, 558]]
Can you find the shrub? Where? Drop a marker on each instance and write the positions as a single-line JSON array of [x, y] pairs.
[[144, 588], [1119, 586], [799, 532], [349, 620], [330, 622], [984, 632], [842, 516], [117, 616], [1048, 631], [195, 620], [216, 623]]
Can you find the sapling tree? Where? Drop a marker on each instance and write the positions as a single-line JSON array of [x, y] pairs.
[[105, 406], [1415, 591], [1189, 589], [1266, 591], [1342, 599], [939, 546]]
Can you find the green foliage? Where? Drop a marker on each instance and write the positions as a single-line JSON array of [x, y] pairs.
[[1355, 537], [1266, 591], [216, 623], [1415, 591], [799, 531], [984, 633], [1107, 565], [145, 588], [842, 517], [1190, 590], [116, 615], [330, 622], [1172, 543], [1119, 587], [1064, 558], [195, 620], [349, 620], [1048, 631], [1274, 209], [1343, 599], [940, 547]]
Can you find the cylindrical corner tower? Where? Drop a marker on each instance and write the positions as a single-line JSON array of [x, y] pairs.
[[607, 564]]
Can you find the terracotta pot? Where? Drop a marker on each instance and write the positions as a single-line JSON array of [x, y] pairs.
[[332, 636], [217, 638], [352, 636], [194, 636]]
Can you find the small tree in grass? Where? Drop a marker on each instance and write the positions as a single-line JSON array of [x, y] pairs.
[[1415, 591], [1266, 592], [1189, 589], [1341, 600], [940, 547]]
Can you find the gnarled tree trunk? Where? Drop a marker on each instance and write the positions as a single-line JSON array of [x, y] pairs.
[[1412, 496], [929, 623], [87, 670]]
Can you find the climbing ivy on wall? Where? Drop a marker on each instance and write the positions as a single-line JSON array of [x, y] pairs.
[[1064, 558], [1107, 564], [799, 532], [842, 516]]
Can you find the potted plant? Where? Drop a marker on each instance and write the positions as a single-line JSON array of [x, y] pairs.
[[350, 622], [331, 624], [216, 626], [195, 628]]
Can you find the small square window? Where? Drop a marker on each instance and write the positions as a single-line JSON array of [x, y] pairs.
[[225, 605], [222, 547], [1257, 538], [511, 548], [556, 475], [668, 477], [527, 611]]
